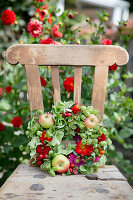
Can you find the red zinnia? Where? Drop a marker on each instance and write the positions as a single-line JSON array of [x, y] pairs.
[[1, 90], [43, 81], [47, 41], [17, 122], [42, 149], [69, 84], [101, 138], [56, 33], [107, 42], [8, 89], [83, 149], [35, 28], [113, 67], [2, 127], [8, 17], [44, 137]]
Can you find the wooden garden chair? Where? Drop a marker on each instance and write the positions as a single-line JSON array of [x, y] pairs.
[[32, 183]]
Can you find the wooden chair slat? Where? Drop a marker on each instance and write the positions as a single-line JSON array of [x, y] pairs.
[[99, 89], [77, 84], [34, 87], [80, 55], [55, 83]]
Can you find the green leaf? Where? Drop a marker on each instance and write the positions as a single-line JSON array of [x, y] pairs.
[[82, 168], [4, 105], [126, 132]]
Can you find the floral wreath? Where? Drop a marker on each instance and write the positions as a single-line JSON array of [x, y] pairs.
[[69, 140]]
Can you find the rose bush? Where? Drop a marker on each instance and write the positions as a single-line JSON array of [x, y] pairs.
[[45, 27]]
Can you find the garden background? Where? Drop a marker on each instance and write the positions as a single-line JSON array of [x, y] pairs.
[[35, 22]]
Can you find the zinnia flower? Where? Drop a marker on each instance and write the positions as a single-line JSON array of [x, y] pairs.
[[69, 84], [2, 127], [74, 160], [101, 138], [113, 67], [44, 137], [84, 149], [17, 122], [35, 28], [8, 89], [43, 81], [56, 33], [96, 159], [47, 41], [107, 42], [42, 149], [8, 17]]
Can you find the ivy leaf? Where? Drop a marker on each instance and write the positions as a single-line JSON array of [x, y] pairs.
[[59, 135]]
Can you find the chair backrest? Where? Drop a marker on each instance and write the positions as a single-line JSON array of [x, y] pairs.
[[100, 56]]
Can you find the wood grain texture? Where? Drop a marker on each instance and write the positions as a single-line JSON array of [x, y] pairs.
[[32, 183], [77, 84], [34, 87], [55, 83], [66, 54], [99, 89]]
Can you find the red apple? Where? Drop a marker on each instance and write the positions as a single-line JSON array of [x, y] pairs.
[[91, 121], [46, 120], [61, 163]]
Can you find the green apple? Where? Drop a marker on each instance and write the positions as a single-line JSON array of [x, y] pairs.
[[46, 120], [61, 163]]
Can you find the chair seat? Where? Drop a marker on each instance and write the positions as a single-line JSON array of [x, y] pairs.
[[28, 183]]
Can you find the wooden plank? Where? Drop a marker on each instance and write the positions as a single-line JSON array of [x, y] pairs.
[[40, 54], [77, 84], [55, 83], [99, 89], [34, 87], [32, 183]]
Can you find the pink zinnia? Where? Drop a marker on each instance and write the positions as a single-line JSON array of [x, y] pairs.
[[35, 28], [107, 42]]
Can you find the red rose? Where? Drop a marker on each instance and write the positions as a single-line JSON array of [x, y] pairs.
[[8, 17], [8, 89], [69, 84], [113, 67], [56, 33], [47, 41], [43, 81], [17, 122], [107, 42], [2, 127], [1, 90]]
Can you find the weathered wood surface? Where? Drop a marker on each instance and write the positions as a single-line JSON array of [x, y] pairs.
[[77, 84], [99, 89], [66, 54], [28, 183], [55, 83], [100, 56], [34, 87]]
